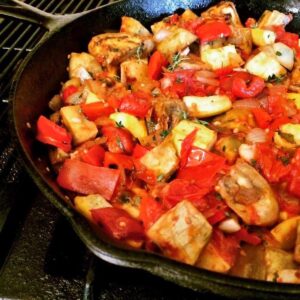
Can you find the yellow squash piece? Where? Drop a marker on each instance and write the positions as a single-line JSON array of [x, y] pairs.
[[295, 97], [262, 37], [135, 126], [265, 66], [286, 232], [81, 129], [210, 259], [84, 204], [202, 107]]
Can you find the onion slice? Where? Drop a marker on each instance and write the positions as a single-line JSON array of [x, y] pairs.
[[256, 135]]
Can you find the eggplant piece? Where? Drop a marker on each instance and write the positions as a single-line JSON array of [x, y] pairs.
[[249, 195]]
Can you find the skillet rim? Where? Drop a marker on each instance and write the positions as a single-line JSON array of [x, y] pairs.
[[179, 273]]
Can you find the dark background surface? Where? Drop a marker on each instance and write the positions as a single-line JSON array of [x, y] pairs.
[[40, 255]]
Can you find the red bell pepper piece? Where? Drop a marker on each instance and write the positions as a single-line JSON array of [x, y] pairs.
[[50, 133], [223, 71], [86, 179], [136, 104], [93, 156], [119, 140], [216, 217], [242, 89], [96, 110], [119, 160], [118, 223], [261, 117], [156, 63], [150, 211], [249, 238], [68, 91], [139, 151], [213, 30]]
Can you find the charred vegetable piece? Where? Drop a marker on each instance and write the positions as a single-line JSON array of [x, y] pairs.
[[249, 195]]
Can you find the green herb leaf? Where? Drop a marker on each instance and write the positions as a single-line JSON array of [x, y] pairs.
[[164, 133], [119, 124], [275, 79], [202, 122], [176, 60], [285, 160], [278, 53]]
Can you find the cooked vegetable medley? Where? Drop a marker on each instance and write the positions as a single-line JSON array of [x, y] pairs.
[[184, 140]]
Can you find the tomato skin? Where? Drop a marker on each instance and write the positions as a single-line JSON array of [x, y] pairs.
[[94, 156], [186, 147], [227, 246], [156, 63], [261, 117], [249, 238], [294, 184], [179, 189], [271, 166], [242, 90], [119, 140], [150, 211], [118, 223], [136, 104], [96, 110], [68, 91], [86, 179], [213, 30], [50, 133], [139, 151]]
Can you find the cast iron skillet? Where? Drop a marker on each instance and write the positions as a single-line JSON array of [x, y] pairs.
[[38, 79]]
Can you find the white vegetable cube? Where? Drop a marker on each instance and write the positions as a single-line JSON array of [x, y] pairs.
[[288, 276], [135, 69], [202, 107], [221, 57], [92, 98], [84, 204], [81, 64], [262, 37], [81, 129], [285, 55], [265, 66], [178, 40], [162, 159], [181, 233], [205, 137]]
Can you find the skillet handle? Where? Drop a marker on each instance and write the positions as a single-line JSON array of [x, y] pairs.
[[26, 12]]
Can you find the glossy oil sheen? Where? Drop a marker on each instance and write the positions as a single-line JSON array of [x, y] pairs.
[[39, 78]]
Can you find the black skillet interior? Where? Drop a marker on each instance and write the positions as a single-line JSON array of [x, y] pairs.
[[39, 79]]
